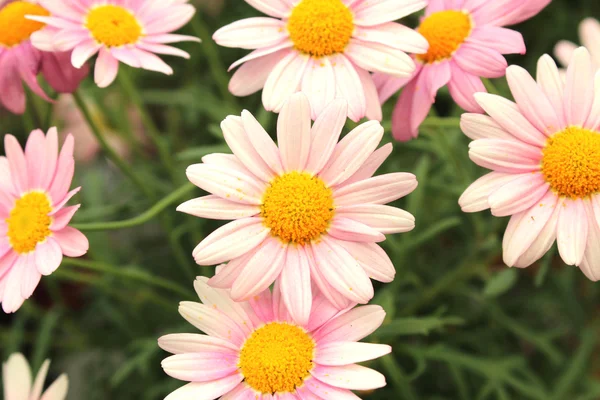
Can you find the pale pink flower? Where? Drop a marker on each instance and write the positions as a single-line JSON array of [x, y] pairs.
[[129, 31], [19, 384], [33, 218], [466, 42], [589, 33], [308, 210], [545, 155], [324, 48], [256, 349], [21, 62]]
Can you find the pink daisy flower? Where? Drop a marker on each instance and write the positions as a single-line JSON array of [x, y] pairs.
[[466, 42], [18, 384], [308, 210], [129, 31], [256, 349], [324, 48], [545, 155], [33, 218], [589, 33], [21, 62]]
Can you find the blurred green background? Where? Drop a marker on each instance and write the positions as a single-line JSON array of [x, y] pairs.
[[462, 325]]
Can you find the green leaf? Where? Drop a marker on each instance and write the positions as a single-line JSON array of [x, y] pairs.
[[501, 283], [416, 326], [44, 338]]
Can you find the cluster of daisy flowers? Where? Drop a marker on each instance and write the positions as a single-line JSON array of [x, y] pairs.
[[280, 316], [55, 39]]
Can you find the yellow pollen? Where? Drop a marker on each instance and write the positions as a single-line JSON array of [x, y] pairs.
[[14, 27], [571, 162], [113, 26], [297, 207], [445, 31], [321, 27], [28, 222], [277, 358]]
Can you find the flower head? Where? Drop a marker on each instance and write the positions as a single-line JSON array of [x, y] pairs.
[[33, 218], [131, 32], [20, 61], [309, 209], [544, 151], [323, 48], [466, 42], [589, 33], [257, 348], [18, 383]]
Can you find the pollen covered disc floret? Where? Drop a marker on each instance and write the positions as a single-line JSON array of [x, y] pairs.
[[15, 27], [277, 358], [113, 26], [29, 222], [321, 27], [445, 31], [571, 162], [297, 207]]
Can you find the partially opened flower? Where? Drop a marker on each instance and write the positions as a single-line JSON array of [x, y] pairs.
[[129, 31], [466, 42], [324, 48], [21, 62], [256, 350], [589, 33], [308, 210], [545, 155], [19, 385], [33, 218]]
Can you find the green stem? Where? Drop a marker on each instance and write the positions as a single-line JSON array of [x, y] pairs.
[[151, 128], [110, 152], [49, 110], [142, 218], [215, 63], [180, 255], [449, 148], [129, 274], [491, 88], [437, 122], [28, 121], [467, 269]]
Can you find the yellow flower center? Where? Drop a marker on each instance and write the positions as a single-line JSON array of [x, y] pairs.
[[29, 222], [277, 358], [321, 27], [297, 207], [571, 162], [113, 26], [14, 27], [445, 31]]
